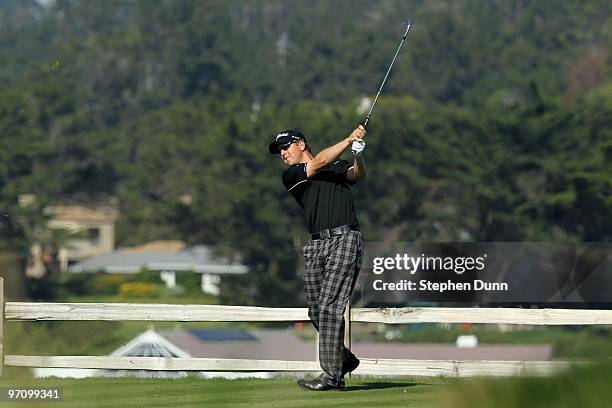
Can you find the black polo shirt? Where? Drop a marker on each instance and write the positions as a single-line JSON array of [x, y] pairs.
[[326, 197]]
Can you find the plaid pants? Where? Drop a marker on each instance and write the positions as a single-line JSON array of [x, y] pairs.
[[331, 268]]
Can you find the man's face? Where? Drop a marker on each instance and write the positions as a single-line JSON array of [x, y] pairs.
[[292, 154]]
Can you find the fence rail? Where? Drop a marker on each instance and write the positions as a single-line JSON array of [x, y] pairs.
[[152, 312], [215, 313], [38, 311], [428, 368]]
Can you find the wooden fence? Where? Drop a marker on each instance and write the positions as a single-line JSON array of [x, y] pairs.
[[25, 311]]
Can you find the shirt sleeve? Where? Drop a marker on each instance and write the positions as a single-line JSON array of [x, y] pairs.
[[294, 176], [340, 169]]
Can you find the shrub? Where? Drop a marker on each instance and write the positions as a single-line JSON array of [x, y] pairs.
[[146, 276], [107, 284], [190, 281], [76, 283], [140, 289]]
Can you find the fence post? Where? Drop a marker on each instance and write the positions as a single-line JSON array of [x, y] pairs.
[[347, 327], [1, 325]]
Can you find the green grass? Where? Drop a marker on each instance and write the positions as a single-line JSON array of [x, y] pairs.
[[252, 393], [584, 387]]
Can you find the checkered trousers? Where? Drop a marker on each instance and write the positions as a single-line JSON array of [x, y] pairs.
[[331, 268]]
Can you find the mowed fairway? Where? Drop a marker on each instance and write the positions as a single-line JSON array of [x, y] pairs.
[[196, 392]]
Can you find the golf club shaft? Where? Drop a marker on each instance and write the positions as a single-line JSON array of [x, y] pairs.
[[365, 124]]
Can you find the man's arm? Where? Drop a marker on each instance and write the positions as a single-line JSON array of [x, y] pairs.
[[331, 154], [357, 172]]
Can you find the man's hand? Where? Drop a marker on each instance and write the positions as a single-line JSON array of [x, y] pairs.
[[356, 134], [330, 154], [357, 147]]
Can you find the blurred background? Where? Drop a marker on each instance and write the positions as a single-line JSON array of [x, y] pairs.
[[133, 144]]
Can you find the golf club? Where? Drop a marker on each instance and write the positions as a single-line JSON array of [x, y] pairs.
[[407, 23]]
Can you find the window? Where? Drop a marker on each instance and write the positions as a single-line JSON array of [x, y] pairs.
[[93, 236]]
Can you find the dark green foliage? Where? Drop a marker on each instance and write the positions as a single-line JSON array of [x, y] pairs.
[[495, 124]]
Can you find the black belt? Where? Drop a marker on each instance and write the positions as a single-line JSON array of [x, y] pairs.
[[332, 232]]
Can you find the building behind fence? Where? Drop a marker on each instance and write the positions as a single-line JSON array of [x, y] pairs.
[[38, 311]]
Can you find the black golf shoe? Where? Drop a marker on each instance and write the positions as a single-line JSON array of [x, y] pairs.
[[319, 384], [350, 364]]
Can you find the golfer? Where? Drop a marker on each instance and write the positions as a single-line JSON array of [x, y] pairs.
[[322, 187]]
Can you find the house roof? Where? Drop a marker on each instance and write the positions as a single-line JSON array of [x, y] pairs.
[[198, 259], [66, 213], [150, 344], [270, 344], [157, 246], [265, 344]]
